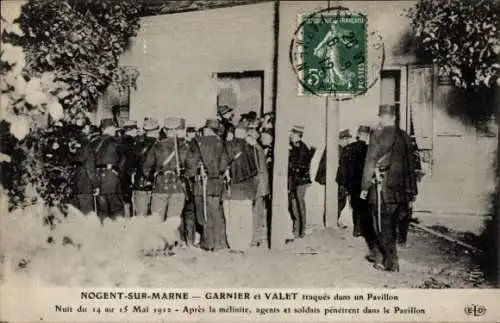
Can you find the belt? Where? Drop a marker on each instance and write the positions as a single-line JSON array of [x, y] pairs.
[[166, 172]]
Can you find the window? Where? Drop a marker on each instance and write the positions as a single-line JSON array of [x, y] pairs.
[[390, 89]]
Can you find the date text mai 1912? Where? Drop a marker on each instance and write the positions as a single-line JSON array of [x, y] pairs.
[[330, 54]]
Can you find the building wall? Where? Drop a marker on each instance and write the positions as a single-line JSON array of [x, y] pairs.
[[178, 54]]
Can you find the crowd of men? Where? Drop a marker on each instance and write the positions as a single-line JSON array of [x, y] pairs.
[[216, 180], [378, 173], [213, 180]]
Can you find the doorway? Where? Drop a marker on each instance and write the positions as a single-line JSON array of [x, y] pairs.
[[241, 91]]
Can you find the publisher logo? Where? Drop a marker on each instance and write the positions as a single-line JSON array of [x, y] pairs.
[[475, 310]]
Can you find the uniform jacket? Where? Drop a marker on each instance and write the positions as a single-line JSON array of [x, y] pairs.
[[84, 173], [109, 151], [164, 160], [390, 150], [262, 168], [351, 166], [299, 164], [243, 170], [209, 151], [321, 172], [142, 181]]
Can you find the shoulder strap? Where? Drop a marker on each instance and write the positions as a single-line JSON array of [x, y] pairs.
[[98, 148]]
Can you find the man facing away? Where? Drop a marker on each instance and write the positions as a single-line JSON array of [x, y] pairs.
[[168, 194], [129, 142], [299, 179], [389, 184], [240, 191], [260, 232], [207, 163], [109, 157], [189, 211], [142, 183]]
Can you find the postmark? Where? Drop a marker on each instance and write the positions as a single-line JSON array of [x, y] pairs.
[[333, 54]]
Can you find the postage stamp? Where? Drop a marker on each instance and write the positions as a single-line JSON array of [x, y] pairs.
[[329, 54]]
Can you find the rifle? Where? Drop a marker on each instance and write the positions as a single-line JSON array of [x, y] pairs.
[[204, 179], [177, 164]]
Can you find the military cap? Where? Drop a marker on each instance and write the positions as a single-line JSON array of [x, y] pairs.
[[223, 109], [344, 134], [108, 122], [174, 123], [363, 129], [150, 124], [130, 124], [387, 109], [213, 124], [191, 129], [298, 128]]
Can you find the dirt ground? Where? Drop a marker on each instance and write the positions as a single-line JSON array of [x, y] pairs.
[[324, 258]]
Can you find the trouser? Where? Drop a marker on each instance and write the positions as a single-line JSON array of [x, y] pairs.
[[359, 207], [141, 201], [189, 221], [239, 220], [387, 236], [342, 200], [259, 220], [297, 208], [367, 227], [404, 224], [84, 203], [213, 236], [109, 206], [168, 207]]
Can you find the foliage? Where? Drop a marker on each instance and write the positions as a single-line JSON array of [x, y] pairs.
[[57, 58], [462, 37]]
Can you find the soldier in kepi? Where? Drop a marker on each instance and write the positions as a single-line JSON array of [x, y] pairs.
[[129, 142], [299, 179], [168, 195], [189, 222], [109, 159], [207, 163], [389, 184], [142, 183], [240, 191], [84, 176]]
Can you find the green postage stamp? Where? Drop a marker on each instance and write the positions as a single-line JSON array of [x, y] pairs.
[[330, 54]]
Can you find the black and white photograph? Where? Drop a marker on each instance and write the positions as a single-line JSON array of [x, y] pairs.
[[250, 144]]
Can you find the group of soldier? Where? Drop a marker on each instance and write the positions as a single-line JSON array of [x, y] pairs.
[[378, 173], [213, 180]]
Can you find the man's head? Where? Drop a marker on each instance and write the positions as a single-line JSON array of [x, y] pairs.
[[175, 127], [266, 138], [363, 133], [253, 129], [344, 137], [225, 112], [151, 127], [108, 127], [296, 133], [387, 115], [130, 128], [240, 130], [211, 128], [190, 133]]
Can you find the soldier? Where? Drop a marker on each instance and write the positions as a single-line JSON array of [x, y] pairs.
[[142, 183], [189, 212], [240, 191], [108, 160], [260, 233], [84, 175], [225, 117], [207, 164], [390, 166], [168, 195], [299, 164], [129, 143], [344, 138]]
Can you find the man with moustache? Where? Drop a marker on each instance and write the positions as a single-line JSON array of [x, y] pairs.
[[389, 184]]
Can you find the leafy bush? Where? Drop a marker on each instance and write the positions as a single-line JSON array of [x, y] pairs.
[[57, 58]]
